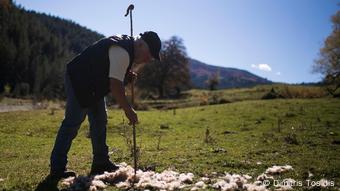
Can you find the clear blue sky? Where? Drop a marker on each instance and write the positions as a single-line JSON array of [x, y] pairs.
[[275, 39]]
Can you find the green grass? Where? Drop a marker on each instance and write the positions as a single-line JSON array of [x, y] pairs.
[[308, 129]]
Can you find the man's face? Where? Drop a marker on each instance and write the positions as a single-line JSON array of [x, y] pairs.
[[147, 56], [144, 55]]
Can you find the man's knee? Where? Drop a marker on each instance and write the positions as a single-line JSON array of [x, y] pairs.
[[71, 126]]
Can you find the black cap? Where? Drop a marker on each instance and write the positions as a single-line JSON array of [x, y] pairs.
[[154, 43]]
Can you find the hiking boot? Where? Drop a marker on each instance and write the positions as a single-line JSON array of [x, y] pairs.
[[59, 174], [103, 167]]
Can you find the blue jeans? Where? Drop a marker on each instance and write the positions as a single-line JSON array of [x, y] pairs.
[[74, 116]]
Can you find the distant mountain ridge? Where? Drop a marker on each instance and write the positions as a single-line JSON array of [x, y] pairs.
[[229, 77]]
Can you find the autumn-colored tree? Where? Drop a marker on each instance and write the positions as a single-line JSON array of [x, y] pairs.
[[328, 64], [213, 81], [171, 73]]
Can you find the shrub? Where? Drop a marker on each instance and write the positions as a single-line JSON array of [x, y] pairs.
[[7, 90], [222, 101], [291, 139], [272, 94]]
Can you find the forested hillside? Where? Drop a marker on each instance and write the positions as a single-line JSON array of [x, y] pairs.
[[34, 49]]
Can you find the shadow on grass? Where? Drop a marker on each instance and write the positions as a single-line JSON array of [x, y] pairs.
[[49, 183]]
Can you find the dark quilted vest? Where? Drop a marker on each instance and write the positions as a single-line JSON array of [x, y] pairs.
[[89, 70]]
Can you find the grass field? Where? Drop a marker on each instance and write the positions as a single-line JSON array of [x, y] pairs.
[[304, 133], [199, 97]]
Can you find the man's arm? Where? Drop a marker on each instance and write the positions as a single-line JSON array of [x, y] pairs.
[[118, 92]]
